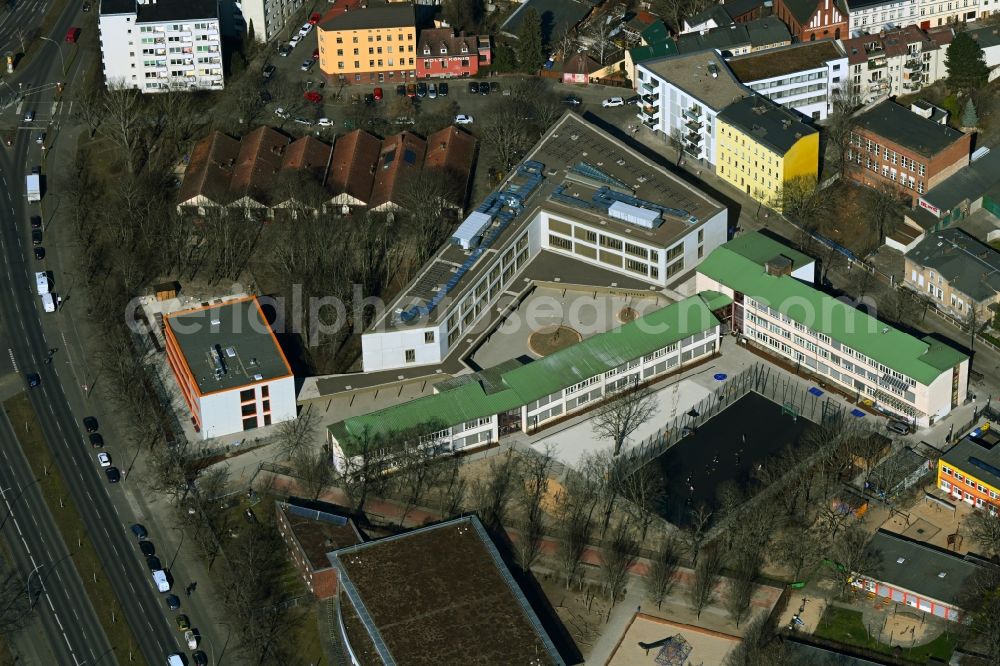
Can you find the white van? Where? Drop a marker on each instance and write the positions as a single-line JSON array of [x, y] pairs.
[[48, 303], [175, 660], [161, 580], [42, 283]]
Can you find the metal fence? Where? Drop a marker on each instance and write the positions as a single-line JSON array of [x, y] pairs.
[[792, 393]]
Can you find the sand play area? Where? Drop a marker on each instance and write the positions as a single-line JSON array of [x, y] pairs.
[[679, 644]]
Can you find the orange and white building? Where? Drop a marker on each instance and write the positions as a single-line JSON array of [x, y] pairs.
[[229, 367], [970, 471]]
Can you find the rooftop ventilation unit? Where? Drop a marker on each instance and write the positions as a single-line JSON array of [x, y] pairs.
[[642, 217]]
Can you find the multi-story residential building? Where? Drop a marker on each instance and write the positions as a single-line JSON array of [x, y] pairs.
[[776, 309], [806, 77], [988, 38], [875, 16], [722, 15], [264, 19], [970, 471], [895, 62], [757, 35], [957, 271], [916, 574], [440, 53], [891, 145], [580, 197], [460, 600], [762, 146], [160, 46], [229, 367], [370, 44], [810, 20], [681, 97], [936, 13], [475, 410]]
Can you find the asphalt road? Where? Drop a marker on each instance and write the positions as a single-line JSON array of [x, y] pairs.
[[29, 338]]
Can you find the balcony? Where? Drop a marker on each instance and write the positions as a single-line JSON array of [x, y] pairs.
[[651, 124], [914, 65], [693, 137], [693, 113], [911, 85], [693, 151], [652, 98], [649, 111], [880, 84], [877, 63], [650, 87], [694, 125], [915, 76]]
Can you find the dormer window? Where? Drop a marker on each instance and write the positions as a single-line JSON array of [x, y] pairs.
[[427, 50], [444, 50], [465, 49]]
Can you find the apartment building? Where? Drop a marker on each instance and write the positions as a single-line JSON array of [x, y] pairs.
[[264, 19], [373, 44], [957, 271], [737, 39], [809, 20], [311, 529], [475, 410], [682, 95], [892, 145], [776, 310], [443, 54], [916, 574], [937, 13], [970, 471], [581, 198], [229, 367], [806, 77], [895, 62], [762, 146], [875, 16], [156, 46]]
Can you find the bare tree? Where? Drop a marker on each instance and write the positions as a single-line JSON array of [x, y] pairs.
[[506, 136], [706, 576], [122, 113], [616, 559], [601, 40], [90, 108], [739, 593], [641, 488], [452, 490], [696, 530], [17, 599], [494, 493], [624, 413], [314, 471], [366, 463], [660, 579], [838, 128], [535, 470], [852, 557], [566, 42], [299, 433], [975, 325], [574, 535], [797, 549], [984, 528], [759, 647], [419, 469], [980, 600], [882, 212]]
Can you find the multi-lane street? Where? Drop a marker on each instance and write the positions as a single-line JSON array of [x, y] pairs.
[[69, 620]]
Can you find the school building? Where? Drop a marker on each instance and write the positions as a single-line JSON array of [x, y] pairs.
[[970, 471]]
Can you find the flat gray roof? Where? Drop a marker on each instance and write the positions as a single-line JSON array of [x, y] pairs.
[[979, 457], [569, 143], [968, 184], [774, 126], [898, 124], [692, 73], [234, 331], [921, 567], [970, 266]]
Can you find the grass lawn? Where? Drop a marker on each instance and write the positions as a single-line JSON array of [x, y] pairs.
[[102, 597], [845, 626]]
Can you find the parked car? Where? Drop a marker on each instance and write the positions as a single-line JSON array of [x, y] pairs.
[[301, 121], [314, 18], [103, 459], [294, 41], [484, 88], [494, 86], [324, 122], [33, 380], [153, 562], [250, 516], [401, 90], [899, 427], [173, 602], [183, 623], [40, 138], [139, 531], [36, 222], [462, 119], [86, 6], [613, 101], [147, 549], [307, 65], [39, 253], [191, 638], [114, 476], [421, 90], [442, 90], [200, 658], [473, 87], [36, 236], [313, 96], [572, 101], [281, 113], [432, 91], [96, 440], [29, 116], [315, 54], [369, 99], [285, 49], [411, 90], [378, 94], [634, 99], [305, 29]]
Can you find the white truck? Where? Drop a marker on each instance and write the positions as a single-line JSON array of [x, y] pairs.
[[175, 660], [33, 183], [161, 580], [42, 283], [48, 303]]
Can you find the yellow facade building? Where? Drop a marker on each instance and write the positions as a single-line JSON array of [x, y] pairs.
[[761, 147], [375, 44]]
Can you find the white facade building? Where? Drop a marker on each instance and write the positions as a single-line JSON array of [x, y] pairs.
[[805, 77], [896, 62], [156, 46], [682, 95], [874, 16], [581, 196], [266, 17], [229, 367], [936, 13]]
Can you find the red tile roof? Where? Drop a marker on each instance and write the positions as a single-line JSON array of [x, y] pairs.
[[453, 151], [400, 155], [261, 154], [308, 154], [436, 39], [580, 63], [352, 170], [210, 167], [896, 42]]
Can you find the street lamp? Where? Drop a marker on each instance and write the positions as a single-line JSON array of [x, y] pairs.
[[59, 48], [211, 645]]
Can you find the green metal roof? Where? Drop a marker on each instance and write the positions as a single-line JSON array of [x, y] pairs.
[[922, 359], [520, 385], [715, 300], [760, 248], [655, 33], [654, 50]]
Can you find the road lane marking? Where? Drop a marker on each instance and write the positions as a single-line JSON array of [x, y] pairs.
[[12, 361]]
